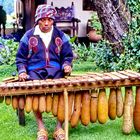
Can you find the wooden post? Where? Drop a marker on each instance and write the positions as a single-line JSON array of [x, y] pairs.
[[21, 116], [66, 113]]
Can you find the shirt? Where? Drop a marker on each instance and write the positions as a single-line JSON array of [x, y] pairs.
[[46, 37]]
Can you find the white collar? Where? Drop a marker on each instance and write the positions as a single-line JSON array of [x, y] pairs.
[[46, 37]]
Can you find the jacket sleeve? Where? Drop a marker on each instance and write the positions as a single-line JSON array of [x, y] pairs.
[[66, 52], [22, 55]]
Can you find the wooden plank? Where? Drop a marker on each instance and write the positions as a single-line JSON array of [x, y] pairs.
[[36, 83], [67, 82], [74, 81], [83, 79], [133, 72], [122, 76], [43, 83], [88, 78], [130, 75], [114, 77], [16, 85], [76, 75], [105, 77], [91, 80], [30, 84], [23, 85], [96, 77], [10, 85], [9, 79]]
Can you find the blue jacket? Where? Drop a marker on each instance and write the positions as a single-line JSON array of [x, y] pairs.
[[36, 57]]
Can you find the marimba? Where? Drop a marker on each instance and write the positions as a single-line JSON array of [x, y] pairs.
[[84, 94]]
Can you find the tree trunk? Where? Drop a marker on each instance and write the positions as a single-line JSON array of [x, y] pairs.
[[114, 17]]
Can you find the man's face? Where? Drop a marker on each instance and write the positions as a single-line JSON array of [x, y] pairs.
[[45, 24]]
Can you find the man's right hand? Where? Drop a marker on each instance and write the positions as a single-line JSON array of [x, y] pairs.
[[22, 76]]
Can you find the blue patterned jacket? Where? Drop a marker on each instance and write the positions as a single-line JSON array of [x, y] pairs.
[[32, 54]]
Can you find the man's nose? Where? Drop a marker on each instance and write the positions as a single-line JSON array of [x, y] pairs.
[[46, 22]]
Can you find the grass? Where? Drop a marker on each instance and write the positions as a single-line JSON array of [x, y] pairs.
[[11, 130], [6, 71], [84, 67]]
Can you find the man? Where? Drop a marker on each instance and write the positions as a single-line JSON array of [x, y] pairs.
[[44, 52], [2, 20]]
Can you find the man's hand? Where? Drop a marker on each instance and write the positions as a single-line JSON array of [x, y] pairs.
[[67, 69], [22, 76]]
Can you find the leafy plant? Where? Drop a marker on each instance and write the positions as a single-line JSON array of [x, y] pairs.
[[8, 49], [129, 59], [83, 52], [73, 39], [95, 22]]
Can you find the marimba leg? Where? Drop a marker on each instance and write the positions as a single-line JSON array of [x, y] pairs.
[[21, 116], [66, 113]]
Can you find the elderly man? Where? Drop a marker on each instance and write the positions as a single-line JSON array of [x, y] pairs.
[[44, 52]]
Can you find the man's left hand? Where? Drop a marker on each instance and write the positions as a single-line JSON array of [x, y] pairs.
[[67, 69]]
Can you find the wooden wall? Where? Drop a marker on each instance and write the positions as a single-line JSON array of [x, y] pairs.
[[29, 7]]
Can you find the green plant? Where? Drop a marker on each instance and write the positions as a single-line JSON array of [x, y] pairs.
[[7, 71], [83, 52], [95, 22], [8, 51], [73, 39], [129, 59]]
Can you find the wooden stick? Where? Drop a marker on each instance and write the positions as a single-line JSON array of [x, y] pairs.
[[66, 113]]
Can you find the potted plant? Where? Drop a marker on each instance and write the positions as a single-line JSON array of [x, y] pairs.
[[96, 28]]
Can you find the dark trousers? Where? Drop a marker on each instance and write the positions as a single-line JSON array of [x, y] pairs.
[[3, 26]]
